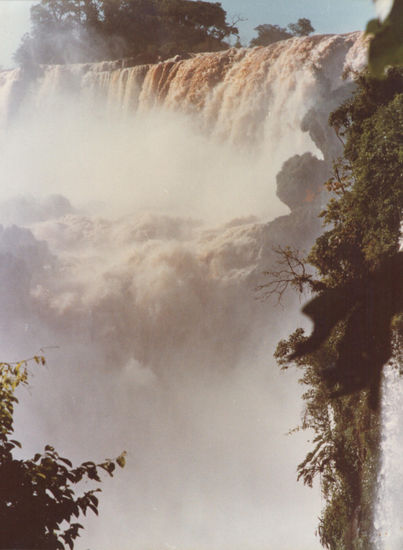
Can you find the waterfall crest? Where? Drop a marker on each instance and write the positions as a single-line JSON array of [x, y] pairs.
[[238, 93]]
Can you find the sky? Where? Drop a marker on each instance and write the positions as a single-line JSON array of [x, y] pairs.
[[327, 16]]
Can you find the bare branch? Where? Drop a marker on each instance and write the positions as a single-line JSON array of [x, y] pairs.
[[292, 272], [237, 18]]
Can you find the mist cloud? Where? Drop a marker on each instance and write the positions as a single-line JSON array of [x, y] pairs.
[[139, 241]]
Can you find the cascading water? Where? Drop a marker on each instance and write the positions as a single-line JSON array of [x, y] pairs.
[[140, 198], [388, 522], [388, 519]]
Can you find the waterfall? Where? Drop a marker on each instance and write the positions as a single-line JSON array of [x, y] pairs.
[[8, 80], [388, 510], [139, 213], [242, 95], [388, 525]]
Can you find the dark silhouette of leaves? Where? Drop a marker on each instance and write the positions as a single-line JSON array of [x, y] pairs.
[[368, 307], [38, 496]]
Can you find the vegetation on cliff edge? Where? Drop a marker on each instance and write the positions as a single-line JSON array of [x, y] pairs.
[[355, 272]]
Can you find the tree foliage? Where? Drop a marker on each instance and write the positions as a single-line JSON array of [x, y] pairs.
[[357, 260], [39, 508], [366, 213], [303, 27], [355, 271], [344, 454], [268, 34], [67, 31]]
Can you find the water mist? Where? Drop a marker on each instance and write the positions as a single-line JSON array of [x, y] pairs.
[[135, 208]]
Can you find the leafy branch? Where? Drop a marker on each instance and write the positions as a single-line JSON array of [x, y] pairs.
[[38, 493]]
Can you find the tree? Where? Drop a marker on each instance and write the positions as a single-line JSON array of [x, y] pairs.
[[268, 34], [67, 31], [303, 27], [355, 271], [357, 260], [357, 312], [344, 454], [38, 505]]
